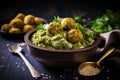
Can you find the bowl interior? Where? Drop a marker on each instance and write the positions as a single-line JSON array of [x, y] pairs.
[[29, 34], [60, 58]]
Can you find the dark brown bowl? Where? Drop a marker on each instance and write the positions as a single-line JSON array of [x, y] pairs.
[[60, 58]]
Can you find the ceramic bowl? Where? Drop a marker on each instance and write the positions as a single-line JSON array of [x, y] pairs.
[[60, 58]]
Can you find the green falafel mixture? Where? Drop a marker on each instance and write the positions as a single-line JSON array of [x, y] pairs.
[[63, 39]]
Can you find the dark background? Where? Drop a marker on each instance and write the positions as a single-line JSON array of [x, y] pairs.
[[47, 9]]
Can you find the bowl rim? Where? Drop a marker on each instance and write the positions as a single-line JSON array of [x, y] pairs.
[[28, 35]]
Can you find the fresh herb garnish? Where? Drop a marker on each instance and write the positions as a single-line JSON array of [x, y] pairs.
[[107, 22], [40, 27], [84, 30], [79, 19], [56, 19]]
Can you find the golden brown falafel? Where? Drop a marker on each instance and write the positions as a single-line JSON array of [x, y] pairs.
[[29, 19], [38, 20], [75, 35], [6, 27], [14, 30], [27, 27], [20, 16], [18, 23], [68, 23], [54, 27]]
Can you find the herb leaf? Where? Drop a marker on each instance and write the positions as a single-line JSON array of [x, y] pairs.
[[107, 22], [40, 27]]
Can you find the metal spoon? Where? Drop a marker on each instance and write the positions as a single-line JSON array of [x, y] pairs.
[[17, 49], [93, 68]]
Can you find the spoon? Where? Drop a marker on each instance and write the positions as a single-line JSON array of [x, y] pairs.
[[93, 68], [17, 49]]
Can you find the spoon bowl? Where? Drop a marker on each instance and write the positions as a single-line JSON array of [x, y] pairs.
[[93, 68], [15, 49], [89, 69]]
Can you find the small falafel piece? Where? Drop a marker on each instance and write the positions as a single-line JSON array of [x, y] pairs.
[[75, 35], [27, 27], [38, 21], [29, 19], [20, 16], [54, 27], [15, 30], [18, 23], [68, 23], [6, 27]]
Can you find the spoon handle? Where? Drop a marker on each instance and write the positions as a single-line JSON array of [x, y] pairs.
[[105, 55], [35, 74]]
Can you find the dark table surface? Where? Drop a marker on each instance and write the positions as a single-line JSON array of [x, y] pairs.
[[12, 66]]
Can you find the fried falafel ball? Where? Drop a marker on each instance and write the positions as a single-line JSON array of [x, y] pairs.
[[27, 27], [6, 27], [14, 30], [20, 16], [18, 23], [29, 19], [75, 35], [38, 21], [68, 23], [54, 27]]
